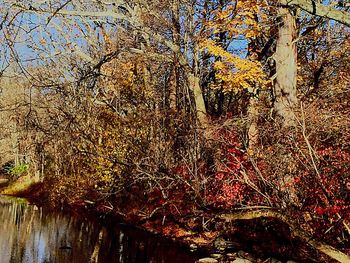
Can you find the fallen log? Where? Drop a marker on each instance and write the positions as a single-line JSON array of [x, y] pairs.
[[295, 230]]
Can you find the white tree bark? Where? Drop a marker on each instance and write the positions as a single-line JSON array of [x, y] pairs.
[[286, 66], [318, 9]]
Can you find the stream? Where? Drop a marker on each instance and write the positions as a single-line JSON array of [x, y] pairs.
[[29, 234]]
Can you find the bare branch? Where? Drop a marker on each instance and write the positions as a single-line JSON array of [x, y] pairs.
[[318, 9]]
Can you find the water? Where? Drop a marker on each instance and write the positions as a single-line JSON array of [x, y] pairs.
[[28, 234]]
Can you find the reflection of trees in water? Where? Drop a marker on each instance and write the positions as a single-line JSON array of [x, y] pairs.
[[28, 234]]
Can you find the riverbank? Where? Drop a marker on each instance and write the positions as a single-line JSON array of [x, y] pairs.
[[267, 239], [34, 234]]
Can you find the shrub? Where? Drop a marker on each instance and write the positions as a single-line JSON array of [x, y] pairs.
[[17, 170], [234, 182]]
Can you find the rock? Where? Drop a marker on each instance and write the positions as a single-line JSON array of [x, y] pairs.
[[241, 260], [273, 260], [207, 260], [220, 244], [193, 247], [216, 256], [246, 255], [231, 256]]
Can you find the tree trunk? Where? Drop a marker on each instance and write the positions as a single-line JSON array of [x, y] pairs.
[[253, 132], [198, 99], [174, 77], [286, 66]]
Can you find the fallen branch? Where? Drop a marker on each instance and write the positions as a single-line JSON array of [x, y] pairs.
[[295, 230]]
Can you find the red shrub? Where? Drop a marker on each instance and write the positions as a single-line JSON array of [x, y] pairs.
[[229, 186]]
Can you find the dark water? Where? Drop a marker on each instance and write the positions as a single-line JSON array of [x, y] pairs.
[[29, 234]]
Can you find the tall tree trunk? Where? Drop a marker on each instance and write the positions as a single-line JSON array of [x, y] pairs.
[[286, 66], [174, 77], [201, 111], [253, 131], [285, 85], [252, 110]]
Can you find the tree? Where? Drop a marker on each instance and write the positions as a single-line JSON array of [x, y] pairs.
[[285, 57], [286, 53]]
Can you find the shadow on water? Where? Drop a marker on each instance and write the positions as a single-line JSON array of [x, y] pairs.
[[28, 234]]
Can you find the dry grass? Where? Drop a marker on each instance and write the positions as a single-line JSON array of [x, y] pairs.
[[20, 185]]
